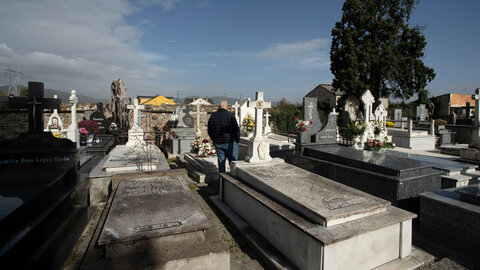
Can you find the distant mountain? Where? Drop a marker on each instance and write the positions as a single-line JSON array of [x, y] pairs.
[[61, 94]]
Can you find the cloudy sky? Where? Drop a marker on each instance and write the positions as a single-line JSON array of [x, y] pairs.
[[211, 47]]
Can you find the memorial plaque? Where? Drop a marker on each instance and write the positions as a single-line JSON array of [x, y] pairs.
[[152, 207], [101, 120], [322, 200]]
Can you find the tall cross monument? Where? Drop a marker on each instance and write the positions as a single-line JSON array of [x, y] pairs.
[[258, 145], [135, 134], [72, 132]]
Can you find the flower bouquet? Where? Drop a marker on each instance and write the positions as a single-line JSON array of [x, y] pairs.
[[207, 150], [302, 125], [248, 123], [90, 126]]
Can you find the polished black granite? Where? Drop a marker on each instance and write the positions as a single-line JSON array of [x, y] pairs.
[[380, 162], [470, 194]]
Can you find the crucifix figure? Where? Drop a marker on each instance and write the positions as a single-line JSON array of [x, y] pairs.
[[267, 126], [136, 108], [35, 103]]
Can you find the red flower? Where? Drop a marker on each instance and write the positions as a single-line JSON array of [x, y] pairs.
[[297, 117], [211, 153], [206, 149], [304, 129], [301, 125], [311, 122], [205, 141]]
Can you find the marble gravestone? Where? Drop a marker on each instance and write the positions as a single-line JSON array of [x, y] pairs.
[[184, 134], [311, 222], [450, 217], [101, 120], [315, 133], [397, 117], [351, 109], [258, 146], [422, 113], [54, 123], [169, 226]]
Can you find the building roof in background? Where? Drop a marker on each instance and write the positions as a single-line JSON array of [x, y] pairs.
[[326, 87]]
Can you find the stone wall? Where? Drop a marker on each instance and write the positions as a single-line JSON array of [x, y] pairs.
[[15, 121]]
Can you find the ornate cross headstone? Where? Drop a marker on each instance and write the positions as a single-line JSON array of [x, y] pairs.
[[259, 104], [368, 100], [72, 132], [136, 108], [135, 134], [198, 113], [35, 103], [236, 106], [267, 126], [258, 146], [475, 141], [381, 115]]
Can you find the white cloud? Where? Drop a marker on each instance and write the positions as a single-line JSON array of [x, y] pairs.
[[82, 45], [152, 56], [298, 48], [165, 4]]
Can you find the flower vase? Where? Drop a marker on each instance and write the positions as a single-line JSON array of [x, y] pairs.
[[249, 134], [83, 140], [356, 140]]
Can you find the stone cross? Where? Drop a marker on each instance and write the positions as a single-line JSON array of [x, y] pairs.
[[267, 126], [367, 99], [72, 132], [259, 104], [136, 108], [236, 106], [198, 113], [35, 103]]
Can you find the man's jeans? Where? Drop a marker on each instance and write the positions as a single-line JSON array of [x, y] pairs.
[[224, 151]]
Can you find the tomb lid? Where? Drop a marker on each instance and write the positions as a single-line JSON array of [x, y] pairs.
[[319, 199], [383, 163], [151, 207], [470, 194]]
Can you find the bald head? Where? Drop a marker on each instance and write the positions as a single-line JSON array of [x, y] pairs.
[[223, 105]]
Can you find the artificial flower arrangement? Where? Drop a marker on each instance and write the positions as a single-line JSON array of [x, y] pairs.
[[207, 150], [302, 125], [197, 143], [375, 145], [377, 127], [54, 126], [389, 124], [83, 131], [90, 126], [248, 123]]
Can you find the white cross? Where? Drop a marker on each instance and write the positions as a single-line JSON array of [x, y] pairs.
[[267, 126], [236, 106], [135, 107], [368, 100], [198, 113], [73, 100], [259, 104]]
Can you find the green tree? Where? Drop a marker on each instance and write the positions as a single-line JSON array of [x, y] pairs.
[[283, 117], [2, 93], [373, 47], [24, 92]]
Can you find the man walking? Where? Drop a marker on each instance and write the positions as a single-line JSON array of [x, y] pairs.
[[225, 134]]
